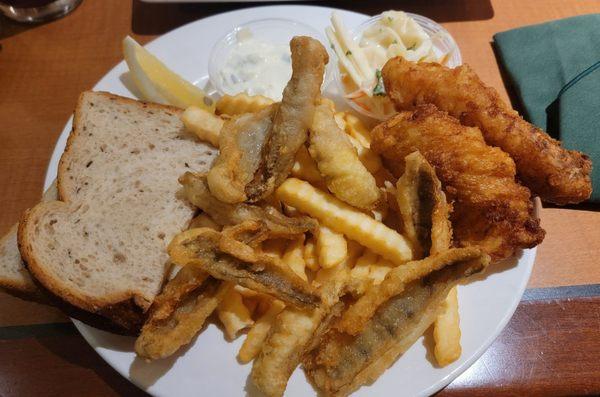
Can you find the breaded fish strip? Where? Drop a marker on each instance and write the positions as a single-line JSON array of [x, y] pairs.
[[342, 362], [178, 313], [338, 162], [359, 313], [203, 248], [240, 142], [196, 191], [423, 207], [294, 116], [556, 174], [297, 332], [491, 209]]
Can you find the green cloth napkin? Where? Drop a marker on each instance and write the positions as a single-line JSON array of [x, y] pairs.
[[555, 71]]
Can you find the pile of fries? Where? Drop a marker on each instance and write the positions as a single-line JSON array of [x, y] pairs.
[[319, 296]]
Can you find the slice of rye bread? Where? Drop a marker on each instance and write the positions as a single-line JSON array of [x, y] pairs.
[[102, 248], [14, 277]]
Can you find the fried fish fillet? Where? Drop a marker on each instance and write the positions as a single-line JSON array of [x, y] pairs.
[[357, 315], [342, 363], [556, 174], [260, 272], [292, 119], [178, 313], [423, 207], [240, 142], [338, 162], [196, 190], [491, 209], [297, 332]]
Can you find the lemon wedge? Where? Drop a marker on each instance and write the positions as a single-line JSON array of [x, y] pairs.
[[158, 83]]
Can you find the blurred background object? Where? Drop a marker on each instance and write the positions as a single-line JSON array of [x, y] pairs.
[[32, 11]]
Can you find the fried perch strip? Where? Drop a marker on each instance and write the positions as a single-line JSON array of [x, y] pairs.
[[296, 332], [425, 211], [338, 162], [491, 209], [240, 142], [196, 191], [358, 314], [294, 116], [342, 363], [203, 248], [423, 207], [305, 168], [179, 313], [292, 330], [556, 174], [345, 219]]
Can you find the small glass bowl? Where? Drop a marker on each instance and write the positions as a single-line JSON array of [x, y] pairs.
[[443, 43], [273, 30]]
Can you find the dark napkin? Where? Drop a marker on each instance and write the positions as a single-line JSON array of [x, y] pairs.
[[555, 70]]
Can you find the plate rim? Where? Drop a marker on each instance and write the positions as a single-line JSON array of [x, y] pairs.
[[85, 330]]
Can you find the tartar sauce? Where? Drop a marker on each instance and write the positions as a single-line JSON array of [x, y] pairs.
[[256, 67]]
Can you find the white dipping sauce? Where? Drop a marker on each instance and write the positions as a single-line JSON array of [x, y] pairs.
[[256, 67]]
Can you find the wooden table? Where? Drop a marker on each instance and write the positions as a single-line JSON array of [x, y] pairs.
[[550, 347]]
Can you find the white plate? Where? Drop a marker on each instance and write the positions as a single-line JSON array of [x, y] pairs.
[[209, 367]]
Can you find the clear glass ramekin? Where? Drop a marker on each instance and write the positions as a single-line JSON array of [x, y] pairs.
[[272, 30], [443, 43]]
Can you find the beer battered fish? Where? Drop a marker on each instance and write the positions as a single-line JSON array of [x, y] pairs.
[[178, 313], [343, 362], [556, 174], [206, 249], [338, 162], [292, 119], [491, 209], [240, 142], [195, 189]]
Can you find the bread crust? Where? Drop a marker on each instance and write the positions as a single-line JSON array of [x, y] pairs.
[[22, 287], [127, 309]]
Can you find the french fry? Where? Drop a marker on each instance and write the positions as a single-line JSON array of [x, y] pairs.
[[446, 331], [293, 257], [339, 119], [328, 102], [332, 248], [310, 255], [378, 271], [355, 128], [367, 157], [331, 281], [305, 167], [234, 315], [258, 333], [359, 275], [203, 123], [251, 304], [241, 103], [342, 218]]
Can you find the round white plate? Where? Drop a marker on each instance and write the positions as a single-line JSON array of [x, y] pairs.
[[208, 367]]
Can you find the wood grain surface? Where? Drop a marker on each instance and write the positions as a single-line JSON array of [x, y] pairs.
[[549, 346]]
